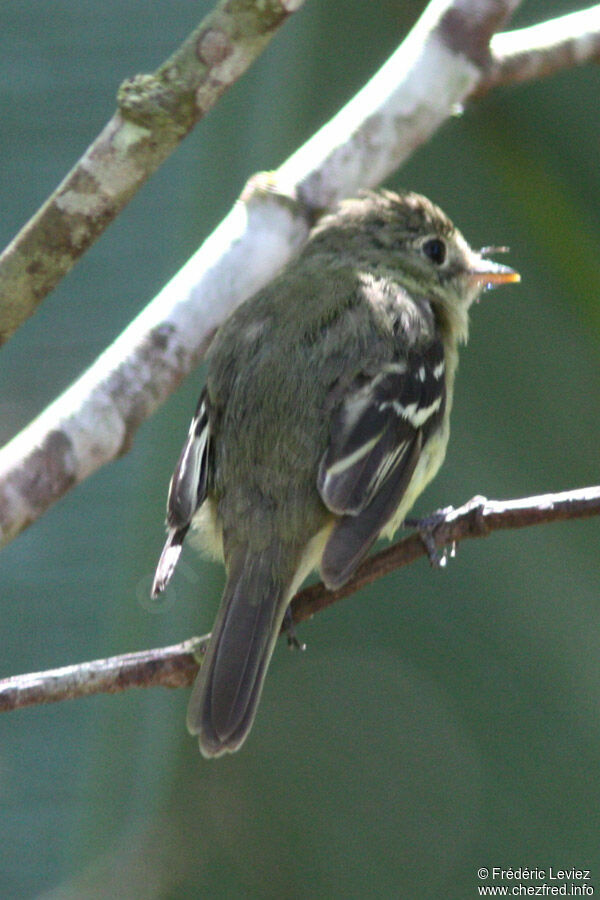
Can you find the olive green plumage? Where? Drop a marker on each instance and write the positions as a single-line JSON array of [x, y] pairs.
[[325, 413]]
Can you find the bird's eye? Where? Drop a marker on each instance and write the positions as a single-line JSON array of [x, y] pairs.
[[435, 250]]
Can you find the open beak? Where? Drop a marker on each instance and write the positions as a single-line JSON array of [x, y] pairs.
[[490, 274]]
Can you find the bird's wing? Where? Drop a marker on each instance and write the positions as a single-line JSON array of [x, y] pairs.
[[187, 492], [377, 433]]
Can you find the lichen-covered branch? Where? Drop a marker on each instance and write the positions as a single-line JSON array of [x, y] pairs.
[[437, 66], [155, 112], [432, 72], [541, 50], [176, 666], [94, 421]]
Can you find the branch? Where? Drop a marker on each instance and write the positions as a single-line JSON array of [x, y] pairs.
[[174, 666], [155, 112], [542, 50], [177, 666], [435, 68], [477, 518]]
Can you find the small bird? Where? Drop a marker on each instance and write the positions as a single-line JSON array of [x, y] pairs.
[[324, 415]]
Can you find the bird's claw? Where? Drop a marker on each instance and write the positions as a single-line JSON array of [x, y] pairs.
[[290, 631], [427, 526]]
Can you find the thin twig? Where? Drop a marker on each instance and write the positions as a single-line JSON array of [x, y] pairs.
[[176, 666], [173, 666], [476, 518]]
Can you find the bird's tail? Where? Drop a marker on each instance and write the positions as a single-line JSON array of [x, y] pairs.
[[226, 693]]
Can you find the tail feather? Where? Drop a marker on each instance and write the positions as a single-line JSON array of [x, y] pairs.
[[168, 559], [226, 693]]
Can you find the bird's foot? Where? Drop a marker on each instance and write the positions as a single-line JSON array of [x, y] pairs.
[[290, 631], [427, 527]]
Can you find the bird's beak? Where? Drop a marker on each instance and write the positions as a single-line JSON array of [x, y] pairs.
[[490, 274]]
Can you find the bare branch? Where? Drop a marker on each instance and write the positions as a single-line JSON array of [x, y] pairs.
[[478, 517], [542, 50], [176, 666], [434, 69], [173, 666], [94, 421], [155, 112], [421, 85]]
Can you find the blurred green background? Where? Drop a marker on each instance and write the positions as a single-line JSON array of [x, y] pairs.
[[438, 722]]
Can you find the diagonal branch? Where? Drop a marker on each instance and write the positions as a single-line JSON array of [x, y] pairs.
[[176, 666], [155, 112], [435, 68], [96, 419], [541, 50]]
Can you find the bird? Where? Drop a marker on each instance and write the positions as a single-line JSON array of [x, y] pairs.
[[324, 415]]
